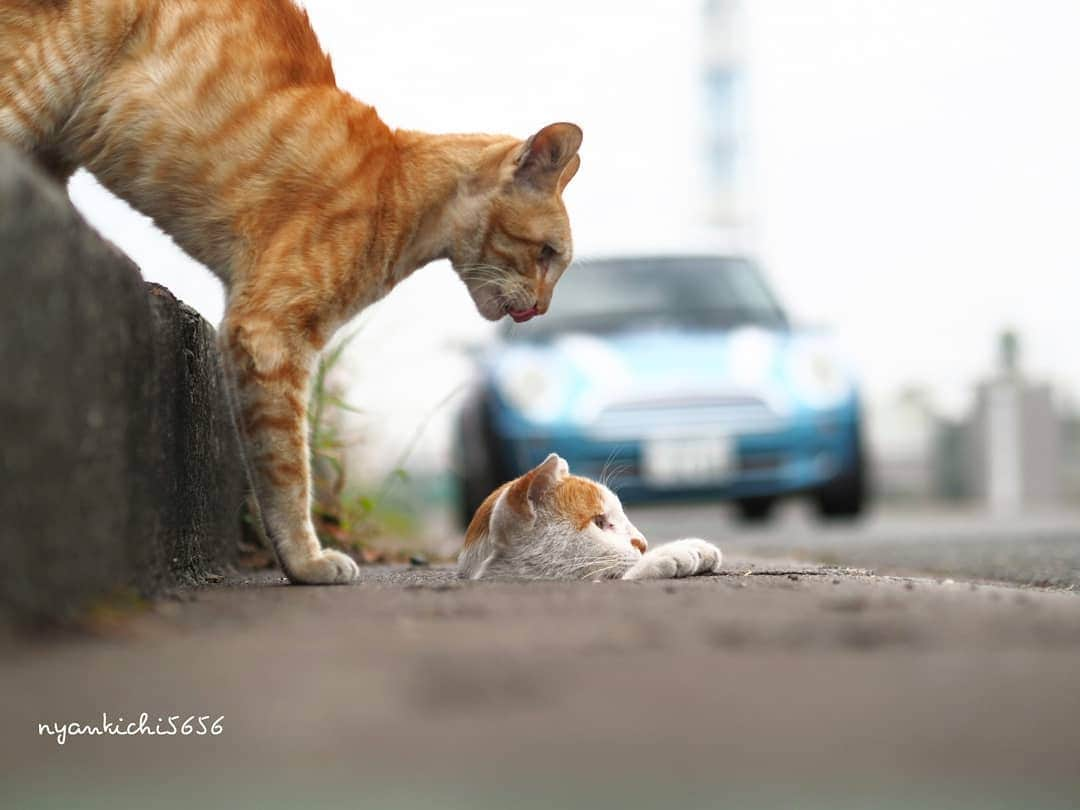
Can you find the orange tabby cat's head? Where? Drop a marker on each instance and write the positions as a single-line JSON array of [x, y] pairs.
[[512, 258]]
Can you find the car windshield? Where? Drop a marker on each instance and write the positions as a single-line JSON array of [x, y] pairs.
[[693, 292]]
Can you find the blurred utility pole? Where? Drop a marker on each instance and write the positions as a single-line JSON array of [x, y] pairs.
[[724, 120], [1016, 458]]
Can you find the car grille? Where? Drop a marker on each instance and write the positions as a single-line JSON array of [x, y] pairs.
[[684, 415]]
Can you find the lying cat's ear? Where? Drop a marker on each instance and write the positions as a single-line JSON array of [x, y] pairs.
[[546, 477], [533, 488], [546, 161]]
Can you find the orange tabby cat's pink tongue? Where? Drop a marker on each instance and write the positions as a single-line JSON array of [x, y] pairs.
[[522, 315]]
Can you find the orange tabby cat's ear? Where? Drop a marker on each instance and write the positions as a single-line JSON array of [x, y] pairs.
[[546, 154], [569, 172], [533, 488]]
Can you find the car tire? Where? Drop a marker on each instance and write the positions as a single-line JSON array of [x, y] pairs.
[[845, 497], [757, 509], [481, 471]]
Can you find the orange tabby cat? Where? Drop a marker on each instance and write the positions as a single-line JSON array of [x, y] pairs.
[[221, 120]]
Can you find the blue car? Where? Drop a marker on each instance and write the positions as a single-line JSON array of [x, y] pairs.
[[674, 377]]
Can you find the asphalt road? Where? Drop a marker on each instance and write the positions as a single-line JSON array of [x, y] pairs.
[[1040, 549], [772, 685]]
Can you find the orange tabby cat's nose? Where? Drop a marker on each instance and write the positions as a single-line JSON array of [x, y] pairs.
[[639, 543]]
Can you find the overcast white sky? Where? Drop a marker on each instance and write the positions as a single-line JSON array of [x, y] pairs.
[[918, 178], [914, 171]]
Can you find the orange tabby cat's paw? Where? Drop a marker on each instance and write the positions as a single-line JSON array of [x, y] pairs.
[[328, 568]]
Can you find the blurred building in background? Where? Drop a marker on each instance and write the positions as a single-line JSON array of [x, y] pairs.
[[1070, 451], [1017, 448], [904, 431], [724, 119]]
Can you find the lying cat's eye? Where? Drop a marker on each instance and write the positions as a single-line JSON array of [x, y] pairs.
[[600, 521], [547, 253]]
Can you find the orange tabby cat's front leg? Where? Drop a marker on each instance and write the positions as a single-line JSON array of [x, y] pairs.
[[271, 370]]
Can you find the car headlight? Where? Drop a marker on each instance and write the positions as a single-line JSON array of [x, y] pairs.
[[818, 376], [533, 388], [751, 356]]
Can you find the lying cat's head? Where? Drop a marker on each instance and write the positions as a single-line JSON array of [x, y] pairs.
[[552, 524], [518, 244]]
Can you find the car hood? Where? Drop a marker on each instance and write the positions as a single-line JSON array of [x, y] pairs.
[[576, 377]]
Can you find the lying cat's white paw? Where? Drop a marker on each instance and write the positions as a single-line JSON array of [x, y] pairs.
[[680, 558], [710, 557], [329, 567]]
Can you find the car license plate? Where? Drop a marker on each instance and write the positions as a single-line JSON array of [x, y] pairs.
[[672, 462]]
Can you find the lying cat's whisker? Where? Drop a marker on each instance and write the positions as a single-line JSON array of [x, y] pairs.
[[604, 470], [612, 563], [583, 564], [587, 558], [607, 472], [588, 571], [612, 481]]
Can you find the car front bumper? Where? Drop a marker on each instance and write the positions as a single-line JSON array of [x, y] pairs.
[[801, 455]]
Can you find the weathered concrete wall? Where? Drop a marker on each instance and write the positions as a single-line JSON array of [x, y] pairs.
[[196, 463], [119, 462]]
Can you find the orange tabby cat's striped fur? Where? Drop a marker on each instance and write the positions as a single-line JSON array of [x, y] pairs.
[[221, 120]]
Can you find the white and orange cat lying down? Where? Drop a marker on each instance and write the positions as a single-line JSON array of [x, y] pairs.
[[549, 524]]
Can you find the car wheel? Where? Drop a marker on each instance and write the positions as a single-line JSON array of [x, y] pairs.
[[481, 472], [757, 509], [473, 492], [845, 496]]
